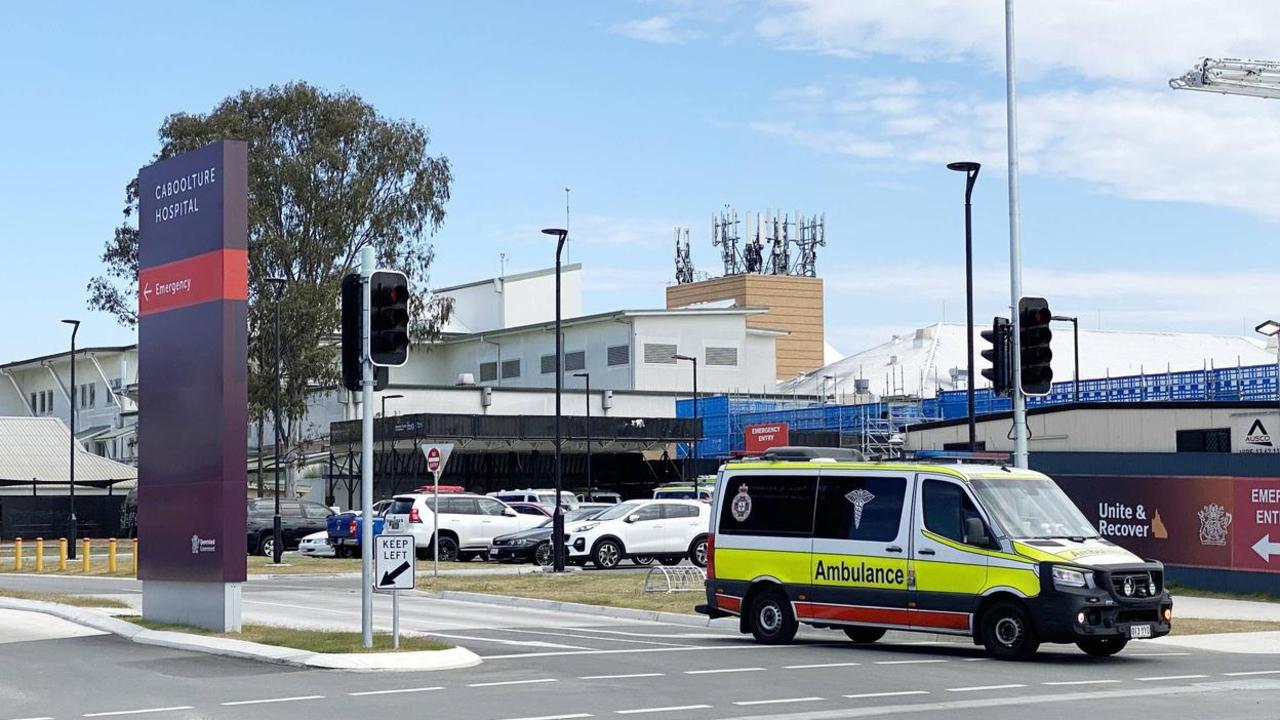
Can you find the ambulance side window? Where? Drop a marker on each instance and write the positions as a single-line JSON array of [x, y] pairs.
[[947, 509], [768, 505], [860, 508]]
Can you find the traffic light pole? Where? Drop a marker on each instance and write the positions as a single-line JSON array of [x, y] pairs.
[[366, 454], [1015, 243]]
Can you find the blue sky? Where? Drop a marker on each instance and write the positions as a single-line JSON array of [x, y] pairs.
[[1142, 208]]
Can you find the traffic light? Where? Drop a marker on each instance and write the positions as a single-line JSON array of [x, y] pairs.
[[1000, 355], [388, 318], [352, 298], [1034, 338]]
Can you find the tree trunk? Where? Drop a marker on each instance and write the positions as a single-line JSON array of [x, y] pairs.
[[261, 484]]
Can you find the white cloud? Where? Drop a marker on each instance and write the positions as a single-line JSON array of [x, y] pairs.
[[661, 29]]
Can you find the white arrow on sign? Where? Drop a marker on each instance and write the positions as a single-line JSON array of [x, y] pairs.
[[1265, 548], [146, 292]]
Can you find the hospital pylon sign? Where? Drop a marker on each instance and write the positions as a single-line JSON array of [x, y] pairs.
[[193, 385]]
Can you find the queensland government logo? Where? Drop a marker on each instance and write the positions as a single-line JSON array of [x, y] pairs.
[[859, 498], [203, 545], [1214, 521], [740, 507]]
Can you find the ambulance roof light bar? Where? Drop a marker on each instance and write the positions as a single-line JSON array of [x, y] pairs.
[[797, 453], [977, 456]]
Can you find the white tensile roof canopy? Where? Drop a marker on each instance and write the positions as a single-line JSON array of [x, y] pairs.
[[35, 449]]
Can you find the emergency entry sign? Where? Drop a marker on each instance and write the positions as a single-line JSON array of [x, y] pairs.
[[393, 557]]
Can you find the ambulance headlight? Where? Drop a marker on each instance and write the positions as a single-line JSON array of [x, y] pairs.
[[1069, 577]]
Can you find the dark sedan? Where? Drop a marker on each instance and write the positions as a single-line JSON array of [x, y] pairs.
[[533, 545]]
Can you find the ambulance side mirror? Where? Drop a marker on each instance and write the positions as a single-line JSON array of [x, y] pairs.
[[975, 533]]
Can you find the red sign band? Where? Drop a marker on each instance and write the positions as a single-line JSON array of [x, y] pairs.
[[217, 275]]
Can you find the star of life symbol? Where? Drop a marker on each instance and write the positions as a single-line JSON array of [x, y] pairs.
[[1214, 521], [740, 508], [859, 498]]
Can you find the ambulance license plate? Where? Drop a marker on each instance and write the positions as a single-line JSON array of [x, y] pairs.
[[1139, 631]]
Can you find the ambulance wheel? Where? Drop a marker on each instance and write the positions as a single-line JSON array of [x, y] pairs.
[[1007, 632], [864, 634], [1103, 647], [772, 622]]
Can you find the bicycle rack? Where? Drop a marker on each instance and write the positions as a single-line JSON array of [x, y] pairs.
[[681, 578]]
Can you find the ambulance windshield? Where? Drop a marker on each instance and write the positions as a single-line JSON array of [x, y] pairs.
[[1032, 508]]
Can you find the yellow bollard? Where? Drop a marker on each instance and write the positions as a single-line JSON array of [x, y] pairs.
[[62, 554], [111, 556], [39, 555], [17, 554], [135, 557], [84, 557]]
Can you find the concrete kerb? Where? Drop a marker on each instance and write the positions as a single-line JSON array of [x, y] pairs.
[[451, 659], [615, 613]]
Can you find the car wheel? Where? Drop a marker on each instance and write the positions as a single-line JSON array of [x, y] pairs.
[[642, 560], [607, 554], [448, 549], [542, 555], [1104, 647], [698, 551], [1007, 632], [772, 621], [670, 560], [864, 634], [267, 546]]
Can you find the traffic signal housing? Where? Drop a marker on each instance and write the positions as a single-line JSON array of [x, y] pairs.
[[1000, 355], [388, 318], [352, 314], [1034, 338]]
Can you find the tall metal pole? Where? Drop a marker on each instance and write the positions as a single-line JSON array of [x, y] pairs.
[[1015, 243], [72, 525], [557, 520], [695, 441], [970, 169], [366, 455], [1075, 346], [587, 377], [277, 528]]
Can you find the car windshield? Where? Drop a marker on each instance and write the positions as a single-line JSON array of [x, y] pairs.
[[1032, 508], [618, 511], [547, 498], [574, 516]]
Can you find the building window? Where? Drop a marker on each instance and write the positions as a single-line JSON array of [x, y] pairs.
[[34, 408], [1215, 440], [724, 356], [488, 371], [93, 392], [619, 355], [100, 448], [575, 361], [43, 407], [49, 401], [510, 369], [548, 364], [659, 353]]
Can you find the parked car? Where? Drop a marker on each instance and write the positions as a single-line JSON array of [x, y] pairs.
[[297, 520], [316, 544], [682, 491], [344, 528], [528, 508], [545, 497], [468, 523], [599, 496], [669, 530], [534, 544]]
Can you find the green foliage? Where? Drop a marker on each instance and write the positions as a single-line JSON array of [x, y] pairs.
[[327, 176]]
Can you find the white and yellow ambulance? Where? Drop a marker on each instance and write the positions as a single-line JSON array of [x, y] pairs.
[[816, 536]]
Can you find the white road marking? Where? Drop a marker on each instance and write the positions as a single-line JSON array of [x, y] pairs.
[[556, 717], [590, 637], [34, 718], [396, 691], [980, 688], [672, 708], [685, 635], [820, 665], [620, 677], [1252, 672], [513, 682], [137, 712], [1081, 682], [779, 701], [628, 651], [900, 693], [976, 659], [723, 670], [1156, 654], [296, 698], [907, 662], [518, 643], [1171, 677]]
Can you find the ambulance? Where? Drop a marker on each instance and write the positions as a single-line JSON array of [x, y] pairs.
[[819, 537]]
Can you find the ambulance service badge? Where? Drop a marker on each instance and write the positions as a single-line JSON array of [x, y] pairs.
[[741, 505]]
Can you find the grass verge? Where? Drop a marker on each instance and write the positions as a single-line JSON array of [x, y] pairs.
[[64, 599], [321, 641], [1201, 626], [1176, 589], [624, 590]]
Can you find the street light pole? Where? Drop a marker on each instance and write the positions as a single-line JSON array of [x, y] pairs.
[[1075, 346], [1015, 240], [587, 377], [970, 169], [385, 398], [277, 530], [557, 521], [693, 360], [72, 528]]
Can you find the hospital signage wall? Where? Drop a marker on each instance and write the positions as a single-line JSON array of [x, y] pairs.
[[1230, 523], [193, 382]]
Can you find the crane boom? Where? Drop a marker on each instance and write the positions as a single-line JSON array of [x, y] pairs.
[[1231, 76]]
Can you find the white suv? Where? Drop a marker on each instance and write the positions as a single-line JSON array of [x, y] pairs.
[[669, 530], [545, 498], [468, 523]]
